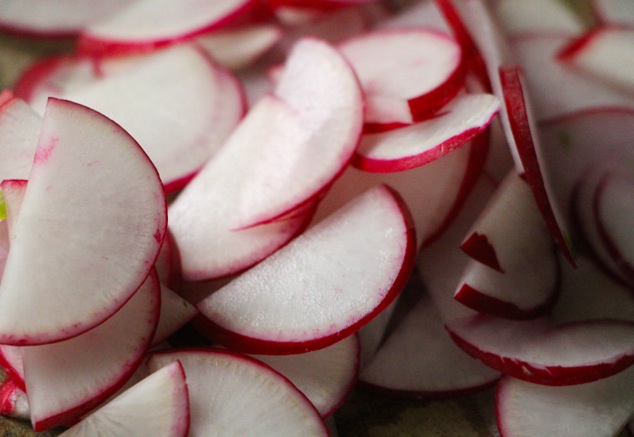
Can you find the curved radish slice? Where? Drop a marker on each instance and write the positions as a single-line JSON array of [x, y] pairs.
[[55, 19], [541, 352], [147, 24], [158, 406], [613, 12], [44, 272], [411, 146], [175, 313], [419, 67], [420, 360], [19, 129], [324, 285], [325, 376], [232, 394], [605, 54], [599, 408], [67, 379], [538, 17]]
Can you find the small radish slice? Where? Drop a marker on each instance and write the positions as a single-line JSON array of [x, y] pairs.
[[411, 146], [44, 272], [420, 360], [325, 376], [232, 394], [420, 67], [613, 12], [19, 130], [158, 405], [599, 408], [147, 24], [265, 310], [606, 53], [13, 400], [175, 313], [65, 380], [542, 352], [537, 17]]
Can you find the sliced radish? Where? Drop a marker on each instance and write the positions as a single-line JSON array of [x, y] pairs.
[[19, 129], [65, 380], [613, 12], [419, 144], [232, 394], [325, 376], [13, 400], [175, 313], [158, 406], [147, 24], [598, 408], [541, 352], [518, 17], [268, 310]]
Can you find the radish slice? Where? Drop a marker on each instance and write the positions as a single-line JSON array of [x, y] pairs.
[[11, 362], [67, 379], [537, 17], [598, 408], [13, 195], [613, 12], [421, 68], [266, 311], [147, 24], [115, 166], [325, 376], [541, 352], [19, 130], [13, 400], [157, 406], [232, 394], [421, 143], [175, 313]]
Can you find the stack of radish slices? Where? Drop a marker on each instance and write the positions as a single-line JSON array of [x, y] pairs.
[[368, 200]]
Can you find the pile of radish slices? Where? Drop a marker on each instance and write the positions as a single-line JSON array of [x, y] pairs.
[[424, 199]]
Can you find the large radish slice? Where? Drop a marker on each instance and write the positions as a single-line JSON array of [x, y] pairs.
[[158, 406], [65, 380], [100, 187], [232, 394], [599, 408], [19, 129], [324, 285]]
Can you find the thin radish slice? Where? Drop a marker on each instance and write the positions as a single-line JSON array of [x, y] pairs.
[[325, 376], [19, 130], [613, 12], [44, 18], [147, 24], [175, 313], [116, 167], [65, 380], [542, 352], [326, 298], [232, 394], [598, 408], [404, 148], [420, 360], [419, 67], [157, 406], [607, 54], [542, 17]]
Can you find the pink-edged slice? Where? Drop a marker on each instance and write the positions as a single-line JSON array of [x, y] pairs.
[[600, 408], [97, 195], [613, 12], [19, 130], [158, 406], [547, 353], [324, 285], [465, 117], [65, 380], [232, 394]]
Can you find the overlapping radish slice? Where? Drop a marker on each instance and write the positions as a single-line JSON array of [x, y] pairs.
[[538, 17], [147, 24], [157, 406], [19, 129], [43, 270], [65, 380], [604, 53], [266, 311], [325, 376], [420, 71], [465, 117], [600, 408], [175, 313], [613, 12], [232, 394]]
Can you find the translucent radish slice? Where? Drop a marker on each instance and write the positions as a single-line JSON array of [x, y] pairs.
[[542, 352], [19, 130], [598, 408], [67, 379], [232, 394], [420, 67], [458, 122], [345, 270], [44, 272], [147, 24], [157, 406], [325, 376], [538, 17], [613, 12]]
